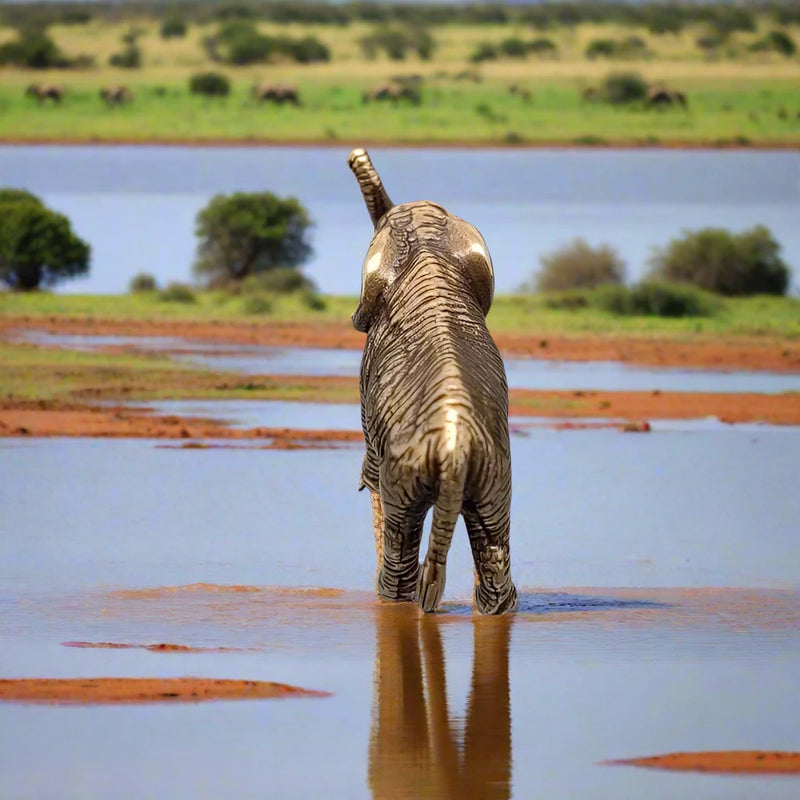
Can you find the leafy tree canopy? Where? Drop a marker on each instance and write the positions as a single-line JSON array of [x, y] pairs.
[[719, 261], [247, 233], [37, 245]]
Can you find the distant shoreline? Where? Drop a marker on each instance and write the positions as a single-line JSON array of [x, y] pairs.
[[402, 145]]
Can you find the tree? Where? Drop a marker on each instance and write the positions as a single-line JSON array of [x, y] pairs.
[[719, 261], [247, 233], [37, 245]]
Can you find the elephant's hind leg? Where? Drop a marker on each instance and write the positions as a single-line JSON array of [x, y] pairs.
[[402, 532], [377, 529], [488, 525]]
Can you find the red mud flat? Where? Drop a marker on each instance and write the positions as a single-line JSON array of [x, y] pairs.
[[727, 762], [627, 411], [107, 691], [155, 648], [734, 353]]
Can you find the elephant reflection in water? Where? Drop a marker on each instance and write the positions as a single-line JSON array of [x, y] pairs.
[[416, 750]]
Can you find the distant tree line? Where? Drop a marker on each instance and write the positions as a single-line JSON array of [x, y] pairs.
[[658, 17]]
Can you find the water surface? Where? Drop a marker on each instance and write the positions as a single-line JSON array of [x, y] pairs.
[[136, 205]]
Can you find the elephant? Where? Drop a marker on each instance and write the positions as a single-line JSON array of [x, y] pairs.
[[277, 93], [434, 399], [116, 95], [394, 91], [45, 91]]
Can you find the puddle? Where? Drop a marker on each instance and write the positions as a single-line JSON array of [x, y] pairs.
[[522, 373]]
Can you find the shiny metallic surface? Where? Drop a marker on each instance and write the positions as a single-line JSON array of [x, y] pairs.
[[434, 399]]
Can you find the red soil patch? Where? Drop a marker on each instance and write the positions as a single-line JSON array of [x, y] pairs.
[[773, 355], [745, 762], [143, 690], [154, 648]]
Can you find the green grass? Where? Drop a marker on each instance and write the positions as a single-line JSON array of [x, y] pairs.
[[513, 314], [742, 100], [754, 111]]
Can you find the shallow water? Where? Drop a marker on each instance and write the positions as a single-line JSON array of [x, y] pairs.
[[136, 205], [580, 676], [522, 373]]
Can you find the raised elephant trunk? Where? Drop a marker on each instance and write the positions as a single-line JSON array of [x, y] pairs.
[[378, 202]]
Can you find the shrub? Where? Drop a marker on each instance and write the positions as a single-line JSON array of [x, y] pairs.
[[579, 266], [210, 84], [143, 282], [177, 293], [542, 46], [238, 42], [257, 304], [280, 280], [514, 47], [620, 88], [129, 58], [718, 261], [33, 50], [173, 27], [484, 52], [249, 233], [601, 48], [656, 299], [313, 300], [37, 245], [782, 43], [397, 43]]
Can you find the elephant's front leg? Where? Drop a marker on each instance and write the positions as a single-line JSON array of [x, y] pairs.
[[402, 532]]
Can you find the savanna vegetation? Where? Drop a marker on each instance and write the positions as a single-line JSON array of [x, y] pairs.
[[573, 72]]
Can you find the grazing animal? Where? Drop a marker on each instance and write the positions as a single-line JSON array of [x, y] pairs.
[[663, 97], [395, 91], [434, 399], [45, 91], [277, 93], [116, 95]]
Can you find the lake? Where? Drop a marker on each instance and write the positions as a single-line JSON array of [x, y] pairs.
[[129, 542], [136, 205]]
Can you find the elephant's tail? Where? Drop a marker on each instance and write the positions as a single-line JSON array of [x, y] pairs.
[[446, 510], [378, 202]]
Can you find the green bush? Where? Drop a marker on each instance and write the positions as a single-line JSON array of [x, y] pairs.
[[210, 84], [246, 234], [579, 266], [239, 42], [397, 43], [280, 280], [142, 282], [621, 88], [37, 245], [776, 41], [177, 293], [542, 46], [129, 58], [601, 48], [485, 52], [173, 28], [33, 50], [656, 299], [257, 304], [719, 261]]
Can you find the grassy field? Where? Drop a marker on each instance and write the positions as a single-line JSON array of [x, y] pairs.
[[749, 99], [773, 317]]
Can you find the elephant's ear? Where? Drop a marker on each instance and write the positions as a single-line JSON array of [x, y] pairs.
[[377, 274], [472, 255]]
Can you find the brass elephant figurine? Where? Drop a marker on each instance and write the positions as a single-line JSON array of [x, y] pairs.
[[434, 399]]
